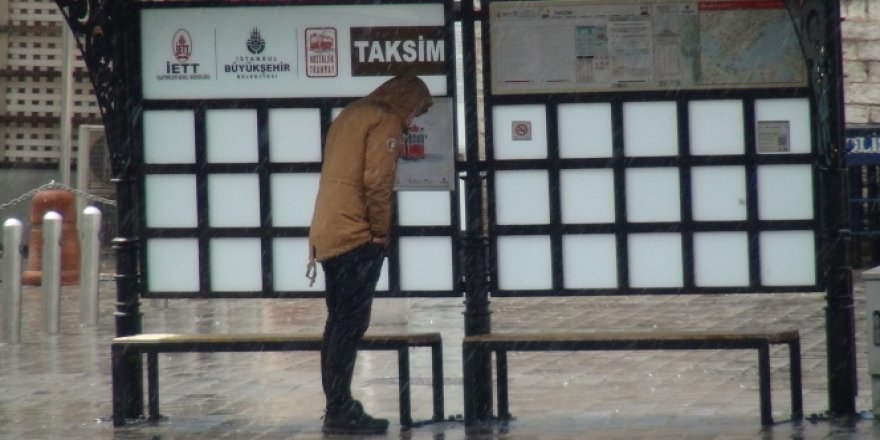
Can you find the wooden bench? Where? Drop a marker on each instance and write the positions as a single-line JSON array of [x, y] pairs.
[[153, 344], [501, 343]]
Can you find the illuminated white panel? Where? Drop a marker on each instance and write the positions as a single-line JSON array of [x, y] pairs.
[[524, 263], [293, 198], [171, 201], [423, 208], [655, 260], [522, 197], [721, 259], [295, 135], [382, 285], [511, 145], [587, 196], [716, 127], [794, 110], [650, 129], [589, 261], [232, 136], [462, 204], [233, 200], [172, 265], [785, 192], [236, 265], [289, 258], [719, 193], [788, 258], [169, 136], [426, 263], [653, 195], [584, 130]]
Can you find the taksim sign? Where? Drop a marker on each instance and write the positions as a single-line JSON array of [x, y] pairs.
[[419, 50]]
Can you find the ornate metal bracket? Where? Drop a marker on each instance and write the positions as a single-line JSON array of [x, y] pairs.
[[100, 27], [818, 27]]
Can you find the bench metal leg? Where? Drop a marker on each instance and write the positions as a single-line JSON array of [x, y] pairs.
[[119, 400], [764, 384], [468, 385], [128, 388], [501, 370], [797, 399], [437, 380], [403, 384], [153, 385]]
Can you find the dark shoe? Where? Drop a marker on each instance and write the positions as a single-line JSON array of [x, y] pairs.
[[353, 420]]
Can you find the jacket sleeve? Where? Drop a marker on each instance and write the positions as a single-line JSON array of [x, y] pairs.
[[380, 167]]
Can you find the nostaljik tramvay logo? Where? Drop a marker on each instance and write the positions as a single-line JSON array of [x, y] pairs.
[[181, 68], [257, 65], [321, 56]]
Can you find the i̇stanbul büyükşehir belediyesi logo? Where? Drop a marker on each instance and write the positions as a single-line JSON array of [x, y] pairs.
[[256, 65], [256, 43]]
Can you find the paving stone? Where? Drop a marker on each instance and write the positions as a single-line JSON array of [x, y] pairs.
[[58, 387]]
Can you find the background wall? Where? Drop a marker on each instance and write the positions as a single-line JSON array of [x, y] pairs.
[[861, 60]]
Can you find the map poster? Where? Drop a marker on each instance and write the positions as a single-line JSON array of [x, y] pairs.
[[605, 45], [427, 161]]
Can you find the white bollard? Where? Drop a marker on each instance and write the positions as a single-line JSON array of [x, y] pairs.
[[90, 260], [51, 280], [12, 250], [871, 279]]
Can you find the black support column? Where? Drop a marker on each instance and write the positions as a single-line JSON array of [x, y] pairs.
[[106, 34], [477, 364], [818, 25]]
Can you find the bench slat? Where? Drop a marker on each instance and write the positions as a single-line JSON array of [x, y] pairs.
[[376, 339], [770, 337], [629, 340]]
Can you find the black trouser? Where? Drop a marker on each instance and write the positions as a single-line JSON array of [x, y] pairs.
[[351, 282]]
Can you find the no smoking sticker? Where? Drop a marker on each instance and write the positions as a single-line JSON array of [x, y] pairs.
[[521, 130]]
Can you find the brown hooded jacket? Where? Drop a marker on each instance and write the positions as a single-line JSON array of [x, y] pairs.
[[360, 161]]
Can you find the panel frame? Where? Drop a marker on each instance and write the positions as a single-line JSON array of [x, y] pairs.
[[619, 163], [266, 232]]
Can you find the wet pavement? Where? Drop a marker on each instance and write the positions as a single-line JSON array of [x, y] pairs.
[[59, 387]]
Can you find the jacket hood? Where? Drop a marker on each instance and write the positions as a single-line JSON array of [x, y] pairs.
[[403, 94]]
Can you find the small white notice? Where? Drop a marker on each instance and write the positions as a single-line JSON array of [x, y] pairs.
[[774, 137]]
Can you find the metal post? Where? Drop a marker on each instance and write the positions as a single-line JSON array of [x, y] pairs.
[[128, 315], [818, 26], [51, 280], [109, 34], [477, 315], [66, 104], [90, 266], [12, 255]]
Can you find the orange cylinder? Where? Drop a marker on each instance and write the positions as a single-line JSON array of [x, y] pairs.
[[64, 203]]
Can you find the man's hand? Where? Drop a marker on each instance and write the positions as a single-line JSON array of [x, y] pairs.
[[382, 241]]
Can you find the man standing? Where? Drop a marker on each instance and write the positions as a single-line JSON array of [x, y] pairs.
[[349, 232]]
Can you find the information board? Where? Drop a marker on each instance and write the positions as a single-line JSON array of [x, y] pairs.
[[427, 160], [279, 52], [599, 45]]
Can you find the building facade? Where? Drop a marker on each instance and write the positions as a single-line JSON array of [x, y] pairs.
[[32, 86]]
